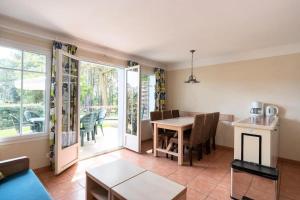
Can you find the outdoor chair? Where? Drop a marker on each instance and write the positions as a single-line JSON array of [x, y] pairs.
[[100, 120], [88, 123], [29, 115], [16, 123]]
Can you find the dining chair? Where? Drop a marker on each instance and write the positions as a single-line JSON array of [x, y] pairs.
[[206, 131], [167, 114], [213, 130], [193, 139], [154, 116], [175, 113]]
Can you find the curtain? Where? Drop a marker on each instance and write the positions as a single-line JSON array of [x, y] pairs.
[[72, 50], [160, 89]]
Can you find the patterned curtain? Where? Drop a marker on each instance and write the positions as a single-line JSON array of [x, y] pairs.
[[160, 89], [72, 50]]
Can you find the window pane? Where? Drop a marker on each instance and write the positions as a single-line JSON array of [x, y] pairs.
[[10, 87], [34, 62], [10, 58], [33, 102]]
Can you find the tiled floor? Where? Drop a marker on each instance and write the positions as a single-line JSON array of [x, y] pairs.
[[207, 179]]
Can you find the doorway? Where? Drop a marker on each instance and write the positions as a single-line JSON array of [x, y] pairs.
[[100, 96]]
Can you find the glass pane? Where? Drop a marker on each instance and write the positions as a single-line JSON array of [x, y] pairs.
[[10, 94], [69, 101], [144, 97], [132, 87], [33, 102], [10, 58], [34, 62]]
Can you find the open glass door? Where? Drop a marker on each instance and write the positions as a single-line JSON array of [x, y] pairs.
[[132, 136], [67, 109]]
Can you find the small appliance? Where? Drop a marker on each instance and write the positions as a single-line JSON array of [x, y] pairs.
[[257, 109], [271, 111]]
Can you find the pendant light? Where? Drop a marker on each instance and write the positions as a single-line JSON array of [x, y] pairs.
[[192, 78]]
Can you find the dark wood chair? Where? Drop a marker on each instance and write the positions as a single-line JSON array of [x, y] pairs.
[[167, 114], [175, 113], [193, 139], [213, 130], [206, 131]]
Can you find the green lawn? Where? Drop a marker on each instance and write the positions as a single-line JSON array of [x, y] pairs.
[[13, 132]]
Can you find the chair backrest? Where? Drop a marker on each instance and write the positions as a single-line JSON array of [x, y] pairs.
[[16, 122], [155, 115], [166, 114], [207, 126], [175, 113], [88, 121], [213, 130], [102, 113], [101, 116], [197, 130], [29, 114]]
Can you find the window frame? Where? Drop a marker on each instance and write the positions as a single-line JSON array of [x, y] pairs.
[[37, 50], [148, 75]]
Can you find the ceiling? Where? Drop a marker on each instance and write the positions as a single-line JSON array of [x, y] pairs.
[[165, 30]]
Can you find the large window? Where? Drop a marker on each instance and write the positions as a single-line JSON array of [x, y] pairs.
[[22, 92], [147, 95]]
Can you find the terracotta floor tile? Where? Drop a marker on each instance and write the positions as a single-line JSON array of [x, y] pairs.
[[195, 195], [203, 184], [208, 178], [63, 189], [77, 195], [220, 193]]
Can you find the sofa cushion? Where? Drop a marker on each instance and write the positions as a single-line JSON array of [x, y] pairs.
[[23, 185]]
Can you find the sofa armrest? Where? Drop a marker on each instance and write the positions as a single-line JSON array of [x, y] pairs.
[[15, 165]]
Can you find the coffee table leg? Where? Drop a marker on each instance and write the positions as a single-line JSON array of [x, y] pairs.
[[180, 146]]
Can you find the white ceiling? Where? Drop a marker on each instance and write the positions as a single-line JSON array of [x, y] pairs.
[[165, 30]]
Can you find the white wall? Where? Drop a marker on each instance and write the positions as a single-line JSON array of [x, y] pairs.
[[36, 150], [230, 88]]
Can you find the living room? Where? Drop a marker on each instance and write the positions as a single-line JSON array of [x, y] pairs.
[[199, 97]]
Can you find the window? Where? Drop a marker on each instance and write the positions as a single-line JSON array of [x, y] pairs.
[[22, 92], [147, 96]]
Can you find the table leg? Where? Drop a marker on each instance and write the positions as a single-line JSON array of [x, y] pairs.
[[155, 139], [180, 146]]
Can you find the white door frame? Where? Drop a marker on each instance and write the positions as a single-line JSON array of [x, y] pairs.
[[130, 141]]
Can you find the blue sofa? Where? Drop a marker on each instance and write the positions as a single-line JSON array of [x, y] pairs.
[[20, 182]]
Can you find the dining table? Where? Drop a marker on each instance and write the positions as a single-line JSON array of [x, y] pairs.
[[179, 124]]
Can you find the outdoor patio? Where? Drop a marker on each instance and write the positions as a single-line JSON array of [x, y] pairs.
[[109, 141]]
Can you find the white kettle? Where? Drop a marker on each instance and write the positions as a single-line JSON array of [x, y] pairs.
[[271, 111]]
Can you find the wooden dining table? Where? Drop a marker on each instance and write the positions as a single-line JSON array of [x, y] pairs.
[[179, 124]]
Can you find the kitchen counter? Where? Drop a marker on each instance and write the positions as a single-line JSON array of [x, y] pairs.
[[265, 123]]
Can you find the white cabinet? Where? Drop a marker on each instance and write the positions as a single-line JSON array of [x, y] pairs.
[[256, 140]]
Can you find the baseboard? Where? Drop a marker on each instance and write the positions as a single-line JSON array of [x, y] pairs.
[[42, 169], [224, 147], [290, 161]]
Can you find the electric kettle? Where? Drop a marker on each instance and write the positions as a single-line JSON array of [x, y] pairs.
[[271, 111]]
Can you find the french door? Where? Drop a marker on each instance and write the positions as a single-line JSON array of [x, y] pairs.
[[67, 111], [132, 136]]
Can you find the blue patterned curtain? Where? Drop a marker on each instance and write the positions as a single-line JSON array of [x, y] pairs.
[[160, 89], [72, 50]]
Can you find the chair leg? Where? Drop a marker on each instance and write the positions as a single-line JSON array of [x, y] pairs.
[[101, 127], [81, 139], [200, 152], [191, 155], [214, 143], [207, 146], [88, 136]]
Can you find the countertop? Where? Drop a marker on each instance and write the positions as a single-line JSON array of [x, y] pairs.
[[268, 123]]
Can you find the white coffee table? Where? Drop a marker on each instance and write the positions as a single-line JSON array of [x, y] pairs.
[[100, 180], [149, 186]]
